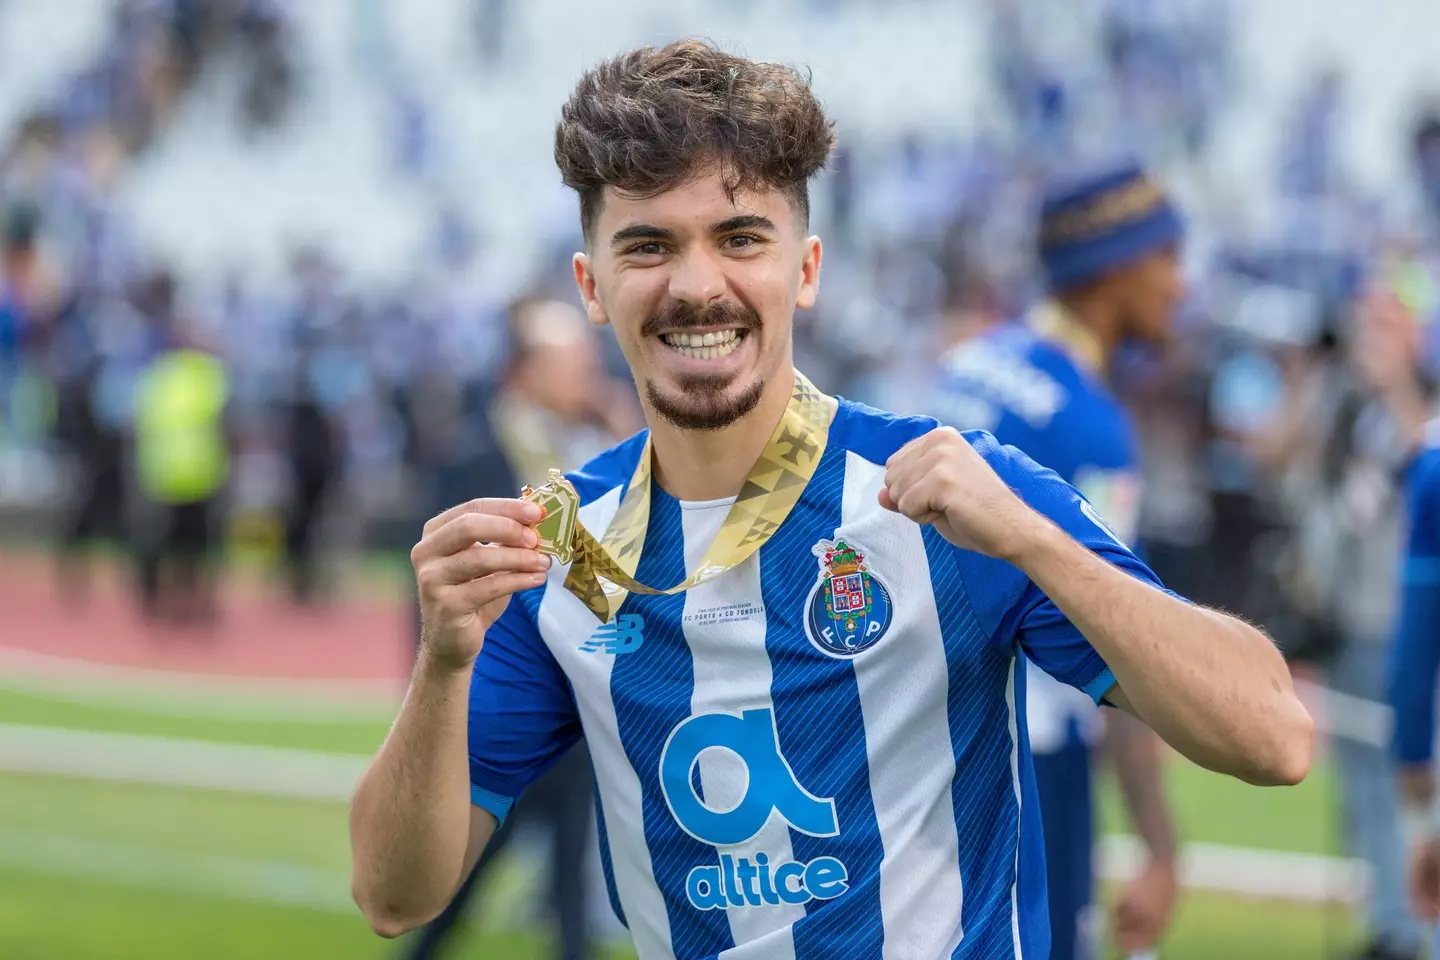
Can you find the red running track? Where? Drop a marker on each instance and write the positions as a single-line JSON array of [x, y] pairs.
[[364, 636]]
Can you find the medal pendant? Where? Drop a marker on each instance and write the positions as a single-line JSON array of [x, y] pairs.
[[561, 503]]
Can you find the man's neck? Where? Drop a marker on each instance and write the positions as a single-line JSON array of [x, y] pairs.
[[1090, 327], [714, 464]]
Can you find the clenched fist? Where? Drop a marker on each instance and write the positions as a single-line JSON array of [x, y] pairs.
[[467, 563], [939, 479]]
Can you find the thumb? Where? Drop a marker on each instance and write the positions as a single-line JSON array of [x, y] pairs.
[[887, 501]]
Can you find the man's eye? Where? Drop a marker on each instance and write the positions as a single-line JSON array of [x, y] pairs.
[[651, 248], [741, 241]]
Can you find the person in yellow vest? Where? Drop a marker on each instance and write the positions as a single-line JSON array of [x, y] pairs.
[[182, 463]]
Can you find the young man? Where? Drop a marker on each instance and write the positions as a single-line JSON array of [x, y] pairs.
[[814, 750], [1388, 356], [1416, 663], [1108, 245]]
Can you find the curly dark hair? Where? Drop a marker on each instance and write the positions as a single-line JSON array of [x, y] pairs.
[[650, 119]]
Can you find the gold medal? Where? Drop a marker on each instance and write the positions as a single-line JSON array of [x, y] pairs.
[[561, 503], [601, 574]]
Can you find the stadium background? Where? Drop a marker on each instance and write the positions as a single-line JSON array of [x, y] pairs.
[[361, 190]]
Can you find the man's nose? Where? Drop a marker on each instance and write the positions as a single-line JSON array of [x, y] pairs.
[[697, 278]]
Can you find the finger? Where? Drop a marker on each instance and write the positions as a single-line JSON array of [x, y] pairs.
[[900, 482], [472, 528], [910, 451], [922, 463], [477, 593], [915, 499], [482, 561], [522, 511], [886, 501]]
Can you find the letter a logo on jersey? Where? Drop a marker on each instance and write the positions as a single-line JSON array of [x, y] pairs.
[[771, 787]]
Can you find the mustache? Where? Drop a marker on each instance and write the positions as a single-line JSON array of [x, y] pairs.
[[678, 315]]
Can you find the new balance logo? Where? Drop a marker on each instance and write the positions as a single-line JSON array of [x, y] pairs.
[[624, 634]]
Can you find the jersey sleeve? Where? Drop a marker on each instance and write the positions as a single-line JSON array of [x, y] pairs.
[[1415, 655], [522, 710], [1011, 607], [1108, 475]]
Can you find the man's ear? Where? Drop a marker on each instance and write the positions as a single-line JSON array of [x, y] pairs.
[[809, 274], [589, 295]]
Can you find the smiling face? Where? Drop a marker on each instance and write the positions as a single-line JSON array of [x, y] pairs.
[[701, 288]]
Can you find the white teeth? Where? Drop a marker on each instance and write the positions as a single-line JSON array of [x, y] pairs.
[[706, 346], [709, 346]]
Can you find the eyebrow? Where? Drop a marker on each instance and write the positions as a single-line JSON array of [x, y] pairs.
[[640, 231], [748, 221]]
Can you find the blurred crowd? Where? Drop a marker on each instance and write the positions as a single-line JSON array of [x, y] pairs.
[[189, 416]]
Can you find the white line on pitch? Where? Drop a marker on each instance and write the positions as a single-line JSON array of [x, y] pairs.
[[168, 693], [277, 772], [170, 762], [227, 878]]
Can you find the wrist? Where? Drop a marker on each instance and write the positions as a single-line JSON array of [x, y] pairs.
[[1163, 862], [1034, 538], [1406, 403], [435, 666]]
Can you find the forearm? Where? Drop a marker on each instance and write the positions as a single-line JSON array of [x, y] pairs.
[[1134, 748], [1213, 687], [410, 816]]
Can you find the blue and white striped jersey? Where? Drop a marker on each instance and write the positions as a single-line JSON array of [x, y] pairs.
[[1041, 395], [771, 782]]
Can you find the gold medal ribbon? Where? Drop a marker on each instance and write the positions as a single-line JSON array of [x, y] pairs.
[[603, 572]]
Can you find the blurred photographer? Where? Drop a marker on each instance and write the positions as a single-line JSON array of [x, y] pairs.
[[1354, 422], [556, 408], [1390, 360]]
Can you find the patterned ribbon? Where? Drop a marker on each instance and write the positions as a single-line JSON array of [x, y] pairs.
[[602, 572]]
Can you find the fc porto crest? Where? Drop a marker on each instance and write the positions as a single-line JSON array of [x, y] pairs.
[[849, 608]]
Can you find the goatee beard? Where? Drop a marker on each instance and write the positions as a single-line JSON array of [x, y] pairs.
[[703, 404]]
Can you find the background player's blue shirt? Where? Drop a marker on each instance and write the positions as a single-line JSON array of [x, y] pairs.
[[1039, 394], [771, 785], [1415, 658]]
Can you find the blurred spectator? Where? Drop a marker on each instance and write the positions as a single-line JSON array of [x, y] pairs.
[[556, 409], [491, 19], [29, 298], [96, 451], [1169, 62], [315, 450], [1311, 162], [182, 461], [1339, 470], [1425, 155], [265, 47]]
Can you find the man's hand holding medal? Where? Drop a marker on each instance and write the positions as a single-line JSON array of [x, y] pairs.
[[468, 562]]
